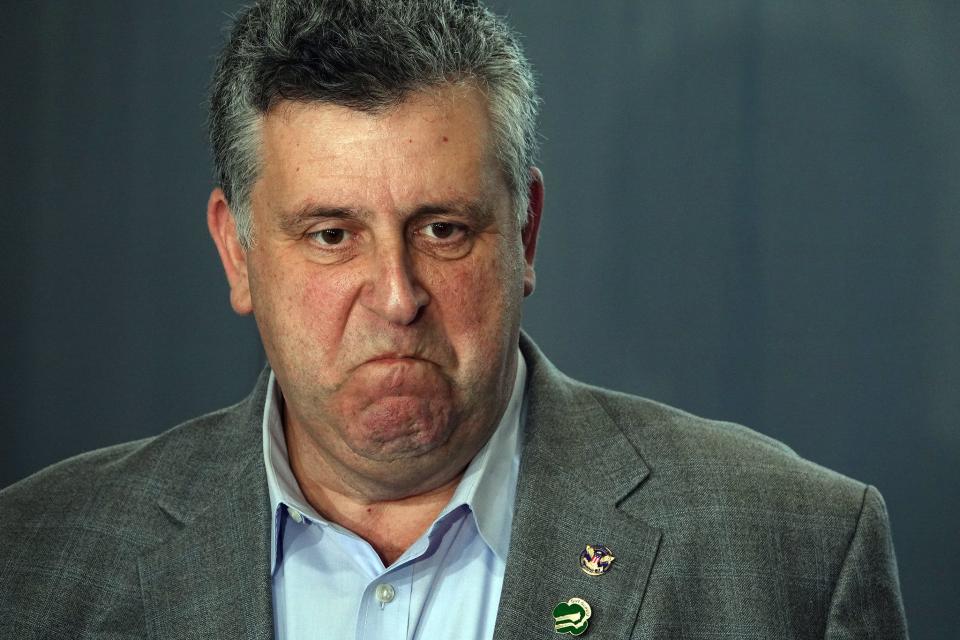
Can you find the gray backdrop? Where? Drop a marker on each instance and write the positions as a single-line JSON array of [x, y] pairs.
[[752, 213]]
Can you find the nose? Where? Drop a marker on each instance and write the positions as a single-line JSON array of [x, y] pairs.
[[394, 292]]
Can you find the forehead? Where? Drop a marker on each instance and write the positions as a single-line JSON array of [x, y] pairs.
[[434, 144]]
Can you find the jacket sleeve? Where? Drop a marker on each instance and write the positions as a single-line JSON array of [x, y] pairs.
[[866, 600]]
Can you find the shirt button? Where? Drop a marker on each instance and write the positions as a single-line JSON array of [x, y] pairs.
[[385, 593], [296, 515]]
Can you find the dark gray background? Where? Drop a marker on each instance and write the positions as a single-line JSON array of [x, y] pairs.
[[752, 213]]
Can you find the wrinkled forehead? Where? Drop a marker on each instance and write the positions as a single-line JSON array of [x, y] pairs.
[[432, 143]]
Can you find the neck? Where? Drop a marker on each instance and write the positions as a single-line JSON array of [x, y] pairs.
[[390, 516], [390, 526]]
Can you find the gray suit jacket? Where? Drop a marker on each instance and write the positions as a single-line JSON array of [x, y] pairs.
[[718, 532]]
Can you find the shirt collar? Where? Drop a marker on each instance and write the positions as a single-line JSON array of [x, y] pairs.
[[487, 489]]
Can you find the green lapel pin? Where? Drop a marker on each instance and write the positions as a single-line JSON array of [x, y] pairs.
[[571, 616]]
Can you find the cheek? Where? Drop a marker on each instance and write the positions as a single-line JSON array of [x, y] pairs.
[[303, 309], [323, 300], [476, 297]]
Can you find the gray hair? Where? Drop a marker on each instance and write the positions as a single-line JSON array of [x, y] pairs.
[[367, 55]]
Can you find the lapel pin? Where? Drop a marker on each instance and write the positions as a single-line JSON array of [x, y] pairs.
[[595, 560], [571, 616]]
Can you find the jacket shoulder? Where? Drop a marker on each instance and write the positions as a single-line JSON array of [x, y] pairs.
[[684, 429], [754, 520], [123, 480], [71, 534], [717, 459]]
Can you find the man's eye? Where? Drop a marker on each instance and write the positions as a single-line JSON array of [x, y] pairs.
[[330, 237], [442, 230]]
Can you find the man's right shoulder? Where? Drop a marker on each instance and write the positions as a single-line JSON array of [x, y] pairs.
[[133, 472], [71, 535], [129, 478], [91, 515]]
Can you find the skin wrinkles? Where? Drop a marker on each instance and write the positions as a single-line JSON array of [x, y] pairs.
[[295, 224], [395, 350]]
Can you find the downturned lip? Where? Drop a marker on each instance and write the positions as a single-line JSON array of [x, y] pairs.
[[393, 356]]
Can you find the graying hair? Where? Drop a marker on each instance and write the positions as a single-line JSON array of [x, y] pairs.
[[367, 55]]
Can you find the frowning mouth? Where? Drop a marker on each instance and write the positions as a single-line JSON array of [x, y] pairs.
[[387, 358], [391, 358]]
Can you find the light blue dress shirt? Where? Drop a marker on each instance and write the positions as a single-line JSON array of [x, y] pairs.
[[330, 583]]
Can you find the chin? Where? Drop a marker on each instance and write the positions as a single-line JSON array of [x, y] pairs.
[[399, 427]]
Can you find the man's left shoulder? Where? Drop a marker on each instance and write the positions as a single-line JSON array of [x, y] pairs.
[[719, 460], [808, 548]]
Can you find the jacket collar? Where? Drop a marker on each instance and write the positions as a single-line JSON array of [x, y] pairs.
[[211, 577]]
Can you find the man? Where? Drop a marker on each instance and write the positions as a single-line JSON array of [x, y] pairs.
[[410, 465]]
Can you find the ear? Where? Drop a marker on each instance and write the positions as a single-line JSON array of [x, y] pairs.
[[223, 229], [530, 230]]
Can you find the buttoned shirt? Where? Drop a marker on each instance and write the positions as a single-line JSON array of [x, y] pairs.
[[328, 582]]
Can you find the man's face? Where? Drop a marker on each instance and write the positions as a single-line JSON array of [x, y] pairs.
[[386, 279]]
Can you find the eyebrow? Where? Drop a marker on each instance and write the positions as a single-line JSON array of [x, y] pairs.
[[479, 212], [294, 222]]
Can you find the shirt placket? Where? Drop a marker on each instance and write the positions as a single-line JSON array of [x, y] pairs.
[[384, 611]]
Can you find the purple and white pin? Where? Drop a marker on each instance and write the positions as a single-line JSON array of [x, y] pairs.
[[595, 559]]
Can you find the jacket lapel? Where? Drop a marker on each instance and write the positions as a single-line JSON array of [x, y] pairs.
[[577, 467], [211, 577]]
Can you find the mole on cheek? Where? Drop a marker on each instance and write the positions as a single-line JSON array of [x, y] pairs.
[[445, 139]]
